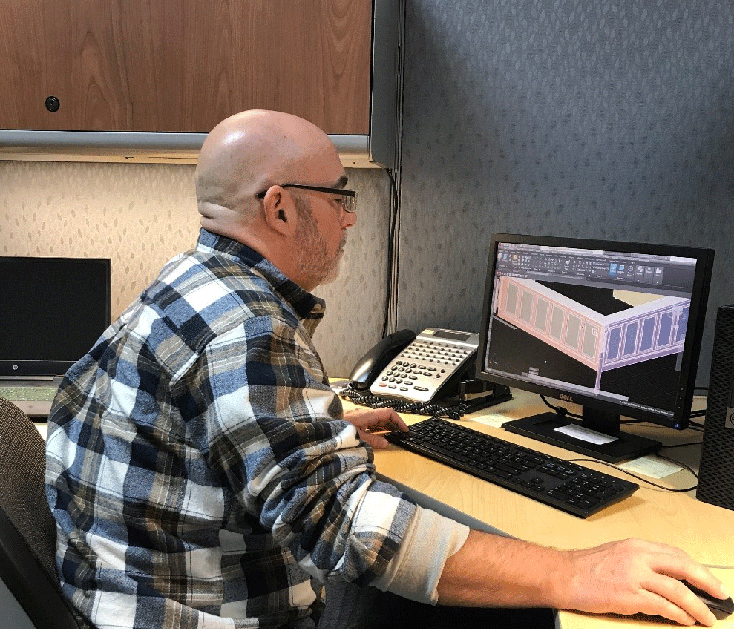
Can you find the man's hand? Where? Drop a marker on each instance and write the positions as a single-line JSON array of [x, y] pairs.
[[625, 577], [371, 421], [636, 576]]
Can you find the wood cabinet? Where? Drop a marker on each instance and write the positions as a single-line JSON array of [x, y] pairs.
[[183, 65], [145, 80]]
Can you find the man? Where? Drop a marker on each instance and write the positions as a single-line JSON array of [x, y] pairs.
[[201, 471]]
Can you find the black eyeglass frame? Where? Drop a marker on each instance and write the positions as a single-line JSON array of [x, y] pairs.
[[349, 196]]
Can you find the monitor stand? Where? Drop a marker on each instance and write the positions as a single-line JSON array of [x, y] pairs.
[[598, 435]]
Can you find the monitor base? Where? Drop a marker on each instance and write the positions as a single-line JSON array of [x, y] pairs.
[[573, 435]]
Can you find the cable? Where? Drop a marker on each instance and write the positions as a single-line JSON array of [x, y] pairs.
[[563, 412], [450, 409], [685, 466], [692, 425], [642, 478], [390, 321]]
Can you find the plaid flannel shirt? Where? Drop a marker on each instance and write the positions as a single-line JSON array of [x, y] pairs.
[[198, 464]]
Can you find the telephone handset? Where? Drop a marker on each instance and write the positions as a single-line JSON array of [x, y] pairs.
[[417, 368], [376, 359]]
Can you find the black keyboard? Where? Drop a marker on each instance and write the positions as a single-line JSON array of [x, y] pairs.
[[545, 478]]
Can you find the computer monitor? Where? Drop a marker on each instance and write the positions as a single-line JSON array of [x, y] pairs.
[[615, 327], [52, 310]]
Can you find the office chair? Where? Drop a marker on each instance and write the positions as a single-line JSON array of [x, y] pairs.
[[27, 529]]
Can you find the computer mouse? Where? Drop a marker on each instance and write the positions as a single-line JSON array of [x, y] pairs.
[[720, 607]]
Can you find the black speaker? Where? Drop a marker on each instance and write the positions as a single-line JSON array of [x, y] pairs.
[[716, 472]]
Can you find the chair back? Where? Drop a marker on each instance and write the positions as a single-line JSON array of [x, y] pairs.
[[27, 528]]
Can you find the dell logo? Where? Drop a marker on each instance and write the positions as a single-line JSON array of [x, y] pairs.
[[15, 367], [566, 398]]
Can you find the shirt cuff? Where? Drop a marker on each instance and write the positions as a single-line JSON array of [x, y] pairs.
[[415, 569]]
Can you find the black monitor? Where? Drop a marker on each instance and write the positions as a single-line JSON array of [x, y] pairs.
[[52, 310], [615, 327]]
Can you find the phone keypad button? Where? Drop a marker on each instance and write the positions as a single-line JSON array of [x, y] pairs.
[[422, 367]]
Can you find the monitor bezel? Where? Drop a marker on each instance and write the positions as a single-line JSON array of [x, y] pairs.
[[691, 349], [40, 368]]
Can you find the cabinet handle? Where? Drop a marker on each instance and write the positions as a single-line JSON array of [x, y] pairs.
[[52, 103]]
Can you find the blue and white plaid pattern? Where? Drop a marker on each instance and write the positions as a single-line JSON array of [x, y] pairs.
[[198, 466]]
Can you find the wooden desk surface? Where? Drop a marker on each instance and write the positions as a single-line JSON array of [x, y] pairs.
[[703, 530]]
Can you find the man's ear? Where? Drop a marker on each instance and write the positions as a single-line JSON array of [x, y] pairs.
[[280, 211]]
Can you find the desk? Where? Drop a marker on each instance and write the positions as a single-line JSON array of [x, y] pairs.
[[703, 530]]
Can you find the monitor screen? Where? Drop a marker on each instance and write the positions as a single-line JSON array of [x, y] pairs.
[[615, 327], [52, 310]]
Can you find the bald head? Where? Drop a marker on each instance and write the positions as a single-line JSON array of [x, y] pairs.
[[245, 154]]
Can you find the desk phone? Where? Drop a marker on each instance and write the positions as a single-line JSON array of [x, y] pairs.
[[434, 358]]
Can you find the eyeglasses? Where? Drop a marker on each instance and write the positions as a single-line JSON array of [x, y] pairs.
[[348, 197]]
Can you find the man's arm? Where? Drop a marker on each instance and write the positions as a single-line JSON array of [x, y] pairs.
[[625, 577], [276, 431]]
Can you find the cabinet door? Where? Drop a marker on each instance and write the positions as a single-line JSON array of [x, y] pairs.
[[183, 65]]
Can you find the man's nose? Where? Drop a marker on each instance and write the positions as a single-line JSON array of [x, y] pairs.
[[349, 219]]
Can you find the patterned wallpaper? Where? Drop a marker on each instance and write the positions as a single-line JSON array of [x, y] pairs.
[[588, 118], [140, 215]]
